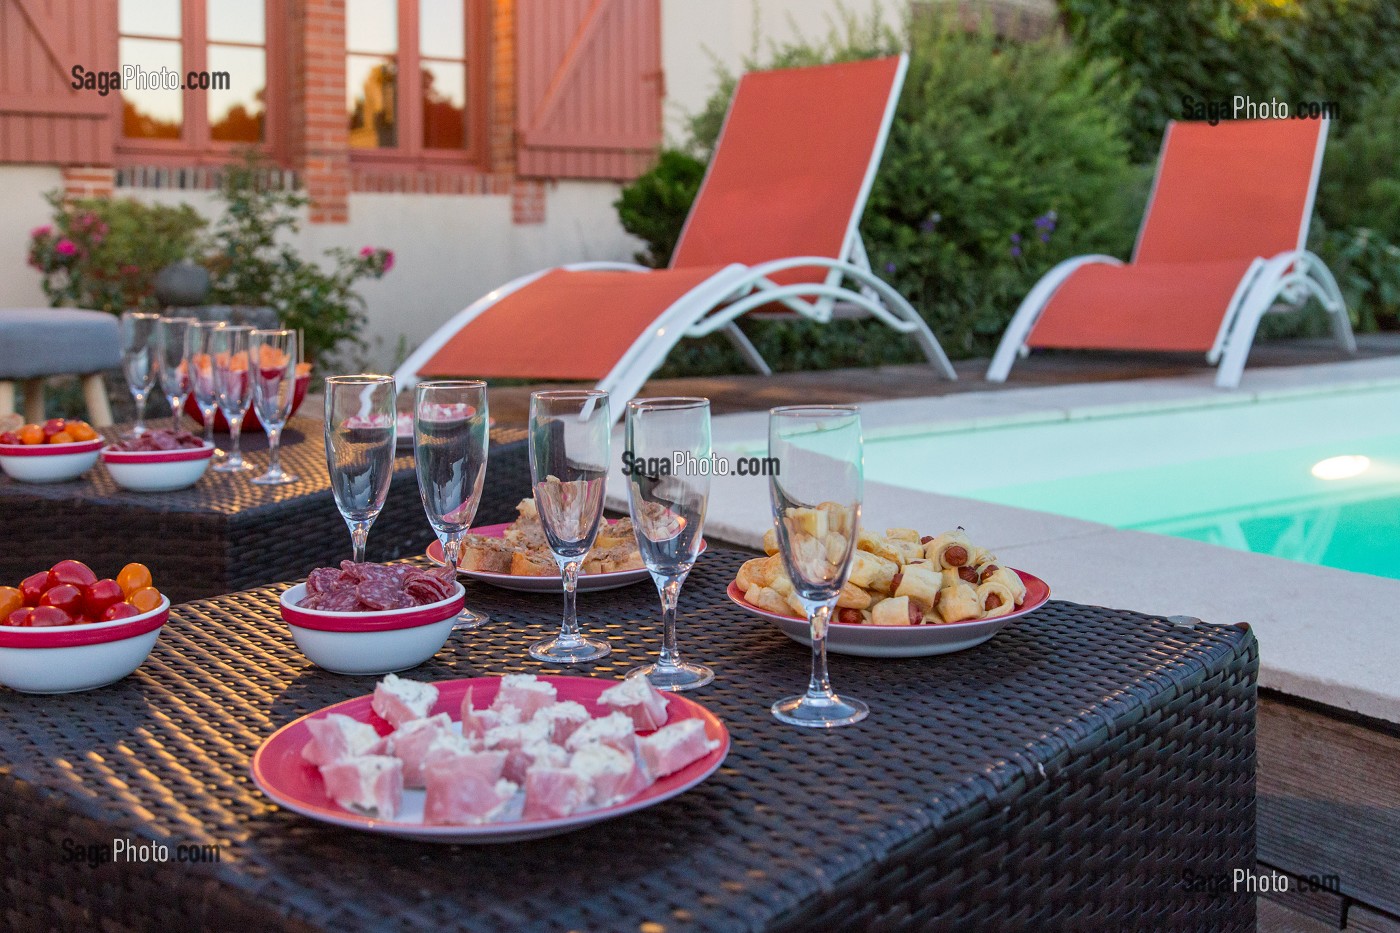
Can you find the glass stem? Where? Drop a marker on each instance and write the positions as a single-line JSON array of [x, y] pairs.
[[208, 413], [359, 537], [819, 688], [175, 413], [568, 569], [235, 438], [452, 550], [670, 590], [140, 399], [274, 449]]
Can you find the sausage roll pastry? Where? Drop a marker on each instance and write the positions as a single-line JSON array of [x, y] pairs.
[[957, 600], [892, 611], [770, 541], [920, 582], [996, 599], [748, 574], [872, 572], [1007, 578], [769, 601], [950, 549]]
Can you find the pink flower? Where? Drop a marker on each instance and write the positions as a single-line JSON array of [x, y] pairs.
[[130, 270], [388, 259], [43, 231], [66, 247], [367, 252]]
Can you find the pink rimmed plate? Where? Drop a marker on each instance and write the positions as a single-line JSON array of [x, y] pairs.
[[903, 641], [292, 782]]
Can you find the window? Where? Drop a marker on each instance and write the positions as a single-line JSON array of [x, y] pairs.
[[216, 53], [410, 70]]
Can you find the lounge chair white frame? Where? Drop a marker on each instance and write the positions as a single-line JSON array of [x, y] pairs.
[[716, 304], [1275, 285]]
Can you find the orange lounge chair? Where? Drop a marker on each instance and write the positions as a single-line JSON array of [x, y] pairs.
[[773, 230], [1222, 244]]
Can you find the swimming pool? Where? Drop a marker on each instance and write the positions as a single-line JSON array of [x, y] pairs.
[[1309, 477]]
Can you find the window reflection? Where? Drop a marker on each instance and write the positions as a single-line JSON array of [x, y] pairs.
[[371, 72], [444, 105], [151, 113], [236, 114]]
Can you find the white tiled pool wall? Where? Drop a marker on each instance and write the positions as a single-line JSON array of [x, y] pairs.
[[1326, 635]]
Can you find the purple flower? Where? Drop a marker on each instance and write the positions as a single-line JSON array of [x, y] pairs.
[[1045, 237], [890, 267], [66, 247], [927, 226], [1015, 252], [1016, 238]]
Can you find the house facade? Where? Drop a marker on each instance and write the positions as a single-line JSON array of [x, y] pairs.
[[478, 139]]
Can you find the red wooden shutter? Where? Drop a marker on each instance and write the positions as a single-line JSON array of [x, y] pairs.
[[588, 87], [42, 118]]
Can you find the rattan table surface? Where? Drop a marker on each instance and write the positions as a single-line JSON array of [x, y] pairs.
[[794, 819]]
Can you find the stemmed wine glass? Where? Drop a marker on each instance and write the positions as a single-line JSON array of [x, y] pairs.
[[272, 361], [450, 441], [199, 356], [668, 512], [172, 342], [816, 496], [233, 387], [360, 436], [139, 362], [570, 437]]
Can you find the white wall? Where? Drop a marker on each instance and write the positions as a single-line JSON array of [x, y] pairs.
[[22, 208], [696, 35]]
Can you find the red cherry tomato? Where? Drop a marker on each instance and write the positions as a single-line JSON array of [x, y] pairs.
[[120, 611], [10, 600], [74, 572], [49, 617], [34, 586], [65, 596], [20, 617], [53, 426], [9, 437], [99, 595]]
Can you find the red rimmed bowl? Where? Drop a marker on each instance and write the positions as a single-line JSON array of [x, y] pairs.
[[49, 463], [157, 470], [370, 642], [70, 658], [250, 420]]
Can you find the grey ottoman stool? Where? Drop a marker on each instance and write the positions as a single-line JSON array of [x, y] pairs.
[[36, 343]]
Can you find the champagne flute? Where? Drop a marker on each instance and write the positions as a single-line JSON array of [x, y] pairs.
[[667, 503], [360, 436], [816, 496], [570, 436], [272, 361], [199, 356], [233, 386], [450, 442], [139, 361], [172, 342]]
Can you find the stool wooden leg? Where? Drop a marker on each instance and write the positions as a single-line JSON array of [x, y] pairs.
[[95, 394], [34, 401], [7, 397]]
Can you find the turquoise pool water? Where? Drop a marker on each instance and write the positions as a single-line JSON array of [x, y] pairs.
[[1312, 478]]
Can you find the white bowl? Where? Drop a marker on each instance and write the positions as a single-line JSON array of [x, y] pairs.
[[157, 470], [370, 642], [49, 463], [69, 658]]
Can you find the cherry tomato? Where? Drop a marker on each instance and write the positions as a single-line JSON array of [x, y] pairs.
[[49, 617], [20, 617], [133, 577], [81, 431], [53, 426], [65, 596], [62, 437], [100, 595], [31, 434], [33, 586], [120, 611], [145, 599], [10, 600], [9, 437], [74, 572]]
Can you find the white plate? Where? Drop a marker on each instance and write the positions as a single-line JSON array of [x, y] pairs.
[[903, 641], [587, 582]]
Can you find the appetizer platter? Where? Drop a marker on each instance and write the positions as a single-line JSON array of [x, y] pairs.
[[517, 557], [908, 595], [490, 759]]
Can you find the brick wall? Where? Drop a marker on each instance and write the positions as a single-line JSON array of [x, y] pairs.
[[88, 181], [320, 144]]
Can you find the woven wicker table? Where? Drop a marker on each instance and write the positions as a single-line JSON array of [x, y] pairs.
[[1075, 772], [225, 534]]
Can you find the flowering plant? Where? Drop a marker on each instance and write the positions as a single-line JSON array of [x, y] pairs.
[[104, 253]]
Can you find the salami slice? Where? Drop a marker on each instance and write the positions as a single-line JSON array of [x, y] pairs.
[[375, 587]]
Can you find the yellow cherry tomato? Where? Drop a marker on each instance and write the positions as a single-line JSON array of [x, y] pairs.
[[133, 577], [145, 599], [10, 600]]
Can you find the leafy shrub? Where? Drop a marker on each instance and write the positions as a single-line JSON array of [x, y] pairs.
[[1211, 50], [1003, 159], [104, 253], [653, 207], [249, 265]]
